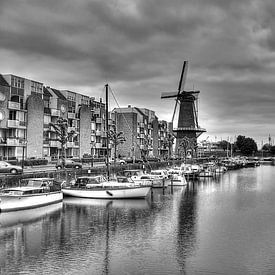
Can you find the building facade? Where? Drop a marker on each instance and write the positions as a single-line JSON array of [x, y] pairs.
[[145, 135], [28, 108]]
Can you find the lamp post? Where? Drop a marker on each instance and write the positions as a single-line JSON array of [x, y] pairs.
[[24, 143], [92, 153]]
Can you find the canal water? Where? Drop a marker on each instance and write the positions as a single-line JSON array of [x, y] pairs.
[[222, 226]]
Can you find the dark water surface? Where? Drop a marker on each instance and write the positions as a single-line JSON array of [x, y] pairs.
[[224, 226]]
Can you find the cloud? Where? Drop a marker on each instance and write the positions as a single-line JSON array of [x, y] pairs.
[[138, 48]]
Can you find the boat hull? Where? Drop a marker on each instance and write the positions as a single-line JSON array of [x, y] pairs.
[[22, 202], [112, 193]]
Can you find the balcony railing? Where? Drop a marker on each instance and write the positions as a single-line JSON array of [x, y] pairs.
[[12, 141], [54, 143], [98, 145], [71, 129], [70, 144], [13, 123], [71, 115], [98, 133], [99, 120], [55, 112], [14, 105]]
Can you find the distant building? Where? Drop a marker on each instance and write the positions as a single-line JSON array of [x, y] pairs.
[[145, 135]]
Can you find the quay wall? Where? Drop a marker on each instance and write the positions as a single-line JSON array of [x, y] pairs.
[[8, 180]]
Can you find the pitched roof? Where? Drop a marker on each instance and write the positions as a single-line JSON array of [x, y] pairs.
[[59, 94], [46, 92], [3, 82]]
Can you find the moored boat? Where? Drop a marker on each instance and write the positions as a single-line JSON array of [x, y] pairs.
[[97, 187], [36, 193], [177, 177]]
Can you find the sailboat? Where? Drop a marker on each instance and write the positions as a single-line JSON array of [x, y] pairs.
[[99, 187]]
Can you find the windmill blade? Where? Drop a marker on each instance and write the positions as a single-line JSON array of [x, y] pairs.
[[183, 76], [182, 81], [175, 108], [169, 94]]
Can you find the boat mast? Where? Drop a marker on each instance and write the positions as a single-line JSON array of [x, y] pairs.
[[107, 131]]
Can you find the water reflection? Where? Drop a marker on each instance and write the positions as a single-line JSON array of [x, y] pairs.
[[221, 226]]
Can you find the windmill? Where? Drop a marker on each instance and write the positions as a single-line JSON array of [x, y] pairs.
[[188, 128]]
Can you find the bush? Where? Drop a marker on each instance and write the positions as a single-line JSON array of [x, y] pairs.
[[33, 162]]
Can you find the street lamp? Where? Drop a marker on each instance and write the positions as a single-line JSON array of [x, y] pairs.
[[92, 153], [24, 143]]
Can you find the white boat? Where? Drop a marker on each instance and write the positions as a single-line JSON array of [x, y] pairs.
[[139, 177], [206, 173], [177, 177], [97, 187], [37, 192]]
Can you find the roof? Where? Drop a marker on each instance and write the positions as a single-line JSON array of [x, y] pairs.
[[3, 82], [59, 94], [46, 92]]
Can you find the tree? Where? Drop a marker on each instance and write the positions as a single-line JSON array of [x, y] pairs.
[[246, 145], [272, 150], [116, 138], [225, 145], [266, 147], [61, 134]]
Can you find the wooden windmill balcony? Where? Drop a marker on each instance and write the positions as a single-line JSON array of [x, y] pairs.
[[191, 129]]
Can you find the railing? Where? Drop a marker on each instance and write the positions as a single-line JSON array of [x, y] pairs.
[[70, 144], [71, 129], [98, 145], [22, 123], [12, 141], [99, 120], [198, 129], [54, 143], [71, 115], [14, 105], [55, 112], [13, 123], [98, 133]]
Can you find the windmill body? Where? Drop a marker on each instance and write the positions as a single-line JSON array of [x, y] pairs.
[[187, 130]]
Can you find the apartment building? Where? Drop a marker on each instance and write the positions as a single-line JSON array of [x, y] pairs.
[[21, 102], [142, 131], [27, 108]]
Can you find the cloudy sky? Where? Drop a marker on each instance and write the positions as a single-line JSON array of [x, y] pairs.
[[138, 47]]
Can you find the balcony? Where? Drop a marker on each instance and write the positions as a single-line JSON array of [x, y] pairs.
[[13, 123], [70, 144], [12, 142], [14, 105], [99, 120], [55, 112], [98, 145], [71, 129], [98, 133], [71, 115], [141, 125], [22, 124], [54, 143]]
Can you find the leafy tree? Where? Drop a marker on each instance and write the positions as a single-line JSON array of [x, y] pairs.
[[168, 143], [266, 147], [272, 150], [116, 138], [246, 145], [60, 134], [225, 145]]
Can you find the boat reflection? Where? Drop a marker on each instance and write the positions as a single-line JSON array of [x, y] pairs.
[[124, 204], [23, 217]]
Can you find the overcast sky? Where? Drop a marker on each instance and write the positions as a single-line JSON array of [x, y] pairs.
[[138, 47]]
